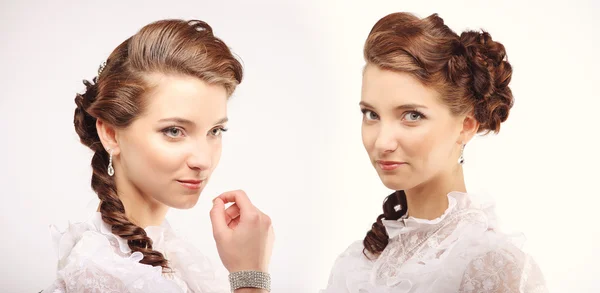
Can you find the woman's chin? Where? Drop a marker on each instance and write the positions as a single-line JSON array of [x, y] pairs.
[[188, 202], [394, 183]]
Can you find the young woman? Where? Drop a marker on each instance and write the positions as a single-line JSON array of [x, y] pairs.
[[154, 118], [426, 92]]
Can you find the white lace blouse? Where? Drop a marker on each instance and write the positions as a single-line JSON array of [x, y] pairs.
[[461, 251], [91, 259]]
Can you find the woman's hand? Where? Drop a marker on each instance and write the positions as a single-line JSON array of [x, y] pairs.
[[243, 234]]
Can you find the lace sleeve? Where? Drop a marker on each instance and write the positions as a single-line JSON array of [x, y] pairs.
[[503, 271]]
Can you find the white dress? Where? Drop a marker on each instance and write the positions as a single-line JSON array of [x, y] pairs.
[[461, 251], [91, 259]]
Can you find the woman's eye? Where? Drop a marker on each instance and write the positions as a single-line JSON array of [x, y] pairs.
[[173, 132], [370, 115], [413, 116], [218, 131]]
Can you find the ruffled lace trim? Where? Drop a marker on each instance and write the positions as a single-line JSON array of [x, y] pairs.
[[456, 201], [192, 271]]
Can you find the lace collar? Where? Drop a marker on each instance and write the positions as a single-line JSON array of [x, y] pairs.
[[65, 241], [158, 234], [457, 201]]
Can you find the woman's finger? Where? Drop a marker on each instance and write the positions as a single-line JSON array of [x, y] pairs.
[[232, 213]]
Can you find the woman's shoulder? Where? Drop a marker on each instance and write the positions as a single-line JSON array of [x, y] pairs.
[[189, 267], [92, 259], [88, 239], [503, 266], [354, 260]]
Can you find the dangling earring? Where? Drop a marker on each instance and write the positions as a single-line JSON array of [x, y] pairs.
[[461, 159], [111, 170]]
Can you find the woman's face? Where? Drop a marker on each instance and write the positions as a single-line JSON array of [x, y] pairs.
[[410, 135], [169, 152]]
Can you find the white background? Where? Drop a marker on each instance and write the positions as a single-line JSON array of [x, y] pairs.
[[294, 143]]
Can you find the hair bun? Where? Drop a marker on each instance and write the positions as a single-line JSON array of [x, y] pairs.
[[491, 75], [85, 124]]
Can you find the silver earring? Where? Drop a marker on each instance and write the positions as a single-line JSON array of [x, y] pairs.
[[111, 170], [398, 207], [461, 159]]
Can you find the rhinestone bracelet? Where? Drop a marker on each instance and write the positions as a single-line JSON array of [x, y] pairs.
[[250, 279]]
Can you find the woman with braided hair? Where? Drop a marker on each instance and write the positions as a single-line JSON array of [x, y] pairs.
[[154, 118], [426, 92]]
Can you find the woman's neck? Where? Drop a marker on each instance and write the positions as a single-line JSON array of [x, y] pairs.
[[141, 210], [430, 199]]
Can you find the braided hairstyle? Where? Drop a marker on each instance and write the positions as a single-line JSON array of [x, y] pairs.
[[469, 71], [116, 96]]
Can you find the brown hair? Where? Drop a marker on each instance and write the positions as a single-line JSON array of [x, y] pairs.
[[116, 97], [469, 71]]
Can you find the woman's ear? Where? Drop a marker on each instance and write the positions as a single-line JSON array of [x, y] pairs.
[[470, 126], [107, 134]]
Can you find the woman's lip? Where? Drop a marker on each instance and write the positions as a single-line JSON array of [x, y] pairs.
[[389, 162], [191, 181], [191, 184], [389, 165]]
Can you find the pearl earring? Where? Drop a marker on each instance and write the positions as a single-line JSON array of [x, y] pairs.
[[111, 170], [461, 159]]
